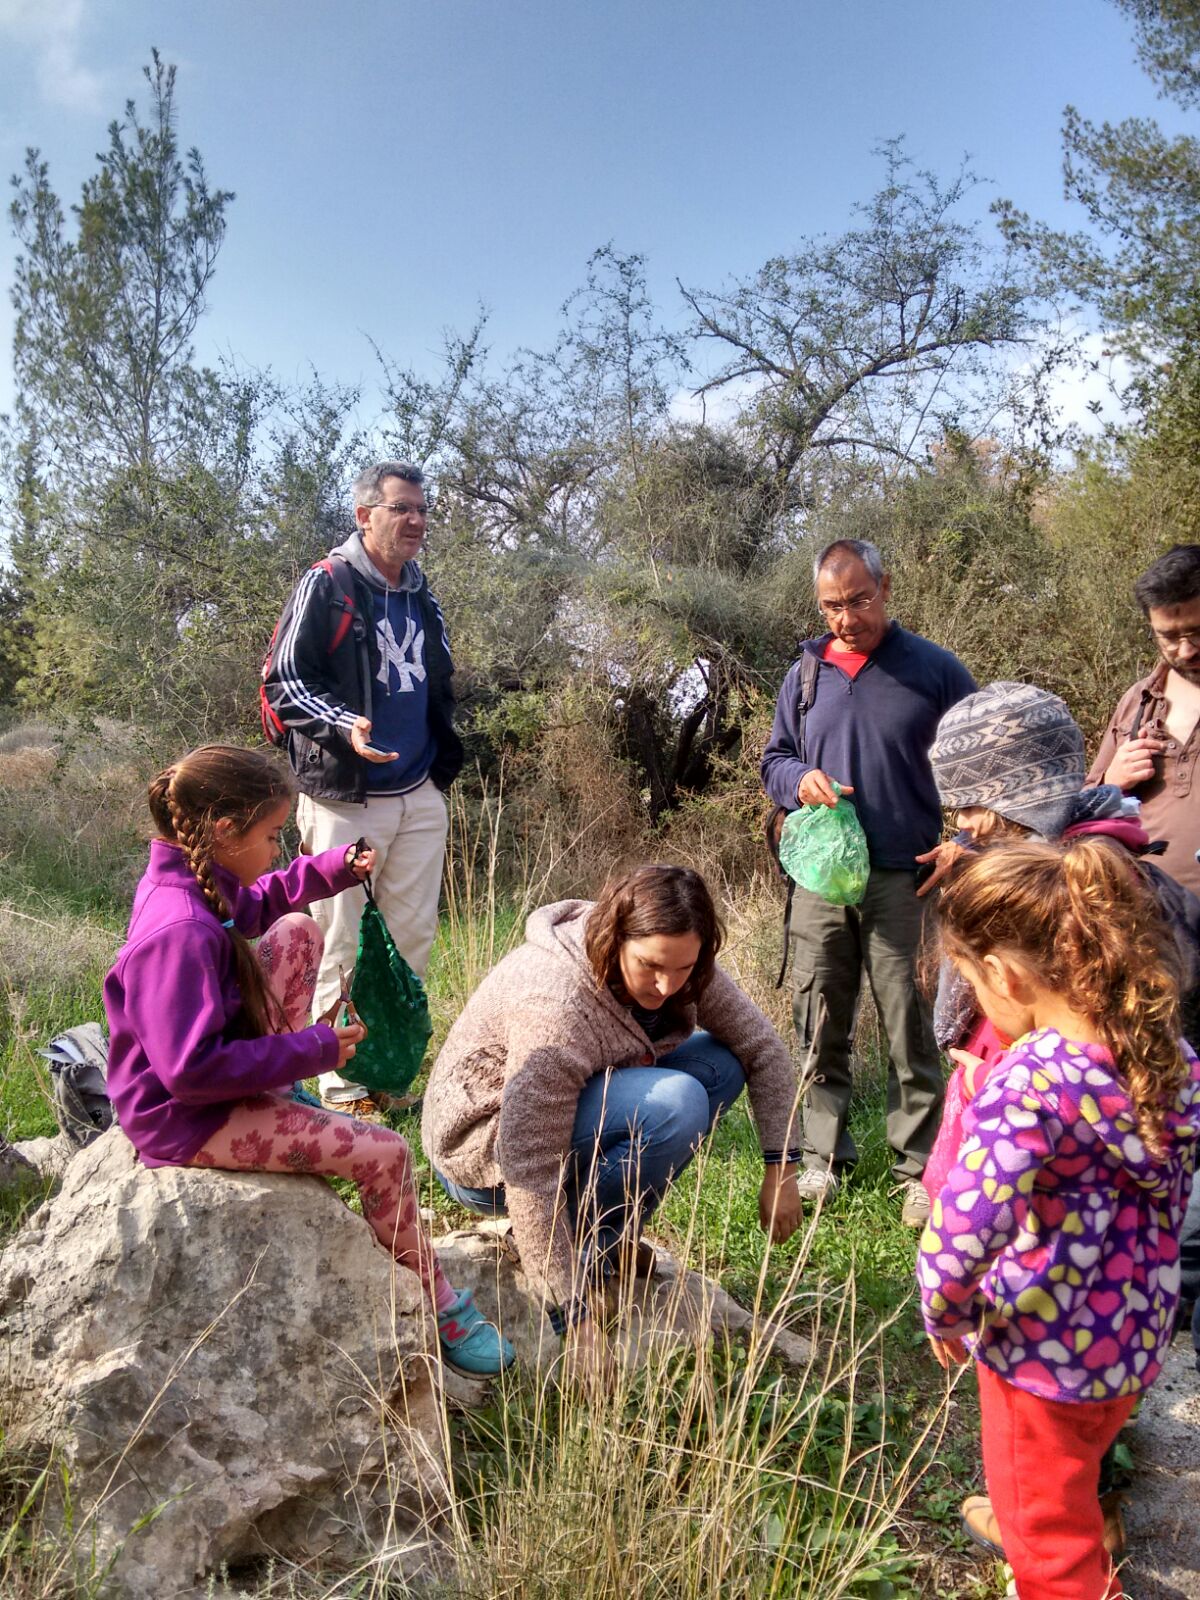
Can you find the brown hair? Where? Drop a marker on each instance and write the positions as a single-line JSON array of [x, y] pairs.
[[187, 800], [1079, 919], [646, 901]]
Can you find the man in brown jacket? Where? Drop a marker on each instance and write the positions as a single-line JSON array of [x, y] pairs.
[[1150, 750], [1151, 746]]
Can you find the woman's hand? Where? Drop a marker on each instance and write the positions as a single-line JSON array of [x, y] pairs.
[[361, 862], [779, 1202], [348, 1036], [947, 1351]]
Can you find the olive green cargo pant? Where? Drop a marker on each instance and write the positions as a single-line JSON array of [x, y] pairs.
[[831, 945]]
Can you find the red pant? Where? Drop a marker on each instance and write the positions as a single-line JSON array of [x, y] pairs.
[[1041, 1459]]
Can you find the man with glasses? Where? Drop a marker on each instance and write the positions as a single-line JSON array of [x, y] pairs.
[[1150, 750], [360, 678], [860, 708], [1151, 746]]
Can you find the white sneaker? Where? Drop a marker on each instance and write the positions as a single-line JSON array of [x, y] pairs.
[[338, 1091], [816, 1183]]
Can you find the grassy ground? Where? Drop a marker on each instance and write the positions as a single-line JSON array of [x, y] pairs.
[[65, 899]]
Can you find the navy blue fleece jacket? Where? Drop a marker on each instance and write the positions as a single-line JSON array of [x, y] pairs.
[[874, 732]]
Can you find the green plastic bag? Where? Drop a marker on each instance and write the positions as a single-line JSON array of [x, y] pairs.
[[390, 1000], [823, 849]]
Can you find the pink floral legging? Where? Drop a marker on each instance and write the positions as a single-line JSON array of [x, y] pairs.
[[272, 1133]]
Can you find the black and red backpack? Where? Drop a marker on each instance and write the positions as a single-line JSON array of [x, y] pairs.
[[340, 570]]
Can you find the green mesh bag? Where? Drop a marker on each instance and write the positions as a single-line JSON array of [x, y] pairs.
[[391, 1003], [824, 850]]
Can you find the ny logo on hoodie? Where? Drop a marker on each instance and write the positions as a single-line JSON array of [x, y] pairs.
[[407, 658]]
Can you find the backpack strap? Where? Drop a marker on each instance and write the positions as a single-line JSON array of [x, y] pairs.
[[810, 665], [1143, 707], [338, 568], [787, 933]]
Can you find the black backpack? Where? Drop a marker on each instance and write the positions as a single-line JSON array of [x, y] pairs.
[[339, 569]]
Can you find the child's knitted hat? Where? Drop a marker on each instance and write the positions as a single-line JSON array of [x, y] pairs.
[[1015, 750]]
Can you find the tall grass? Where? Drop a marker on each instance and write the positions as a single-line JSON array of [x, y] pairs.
[[706, 1471], [500, 865]]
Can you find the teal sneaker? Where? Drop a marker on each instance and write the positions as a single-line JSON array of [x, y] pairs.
[[469, 1342]]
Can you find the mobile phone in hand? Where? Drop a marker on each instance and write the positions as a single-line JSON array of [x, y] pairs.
[[377, 750]]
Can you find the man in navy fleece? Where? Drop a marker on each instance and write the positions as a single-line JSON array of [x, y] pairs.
[[876, 699]]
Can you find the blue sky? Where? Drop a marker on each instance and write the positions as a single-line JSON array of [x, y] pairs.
[[398, 161]]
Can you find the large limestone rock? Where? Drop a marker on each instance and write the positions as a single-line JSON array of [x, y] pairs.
[[48, 1156], [232, 1351]]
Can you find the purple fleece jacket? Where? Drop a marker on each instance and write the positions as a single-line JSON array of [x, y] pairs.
[[178, 1056], [1055, 1238]]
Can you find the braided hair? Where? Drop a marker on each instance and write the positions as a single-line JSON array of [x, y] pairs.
[[1081, 921], [187, 800]]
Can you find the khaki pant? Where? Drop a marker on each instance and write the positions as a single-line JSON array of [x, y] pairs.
[[408, 832], [831, 945]]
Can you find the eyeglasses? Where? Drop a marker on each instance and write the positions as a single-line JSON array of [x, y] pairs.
[[1172, 641], [402, 508], [860, 602]]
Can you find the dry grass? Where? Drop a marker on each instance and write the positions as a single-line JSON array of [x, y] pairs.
[[708, 1471]]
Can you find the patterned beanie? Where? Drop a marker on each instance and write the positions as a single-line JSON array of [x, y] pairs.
[[1015, 750]]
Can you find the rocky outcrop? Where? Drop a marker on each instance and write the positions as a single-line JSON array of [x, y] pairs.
[[1163, 1512], [48, 1156], [230, 1366], [18, 1175]]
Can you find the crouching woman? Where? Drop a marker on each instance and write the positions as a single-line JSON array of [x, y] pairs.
[[575, 1085]]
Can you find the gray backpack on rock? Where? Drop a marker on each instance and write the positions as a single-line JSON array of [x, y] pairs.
[[78, 1073]]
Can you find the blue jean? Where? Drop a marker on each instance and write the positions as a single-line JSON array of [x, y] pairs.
[[636, 1128]]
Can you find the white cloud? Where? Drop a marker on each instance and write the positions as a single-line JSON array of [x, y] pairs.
[[52, 31]]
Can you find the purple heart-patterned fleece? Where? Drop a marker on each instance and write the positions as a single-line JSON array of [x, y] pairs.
[[1055, 1239]]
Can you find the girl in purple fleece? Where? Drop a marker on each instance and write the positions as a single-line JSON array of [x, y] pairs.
[[1053, 1246], [208, 1034]]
